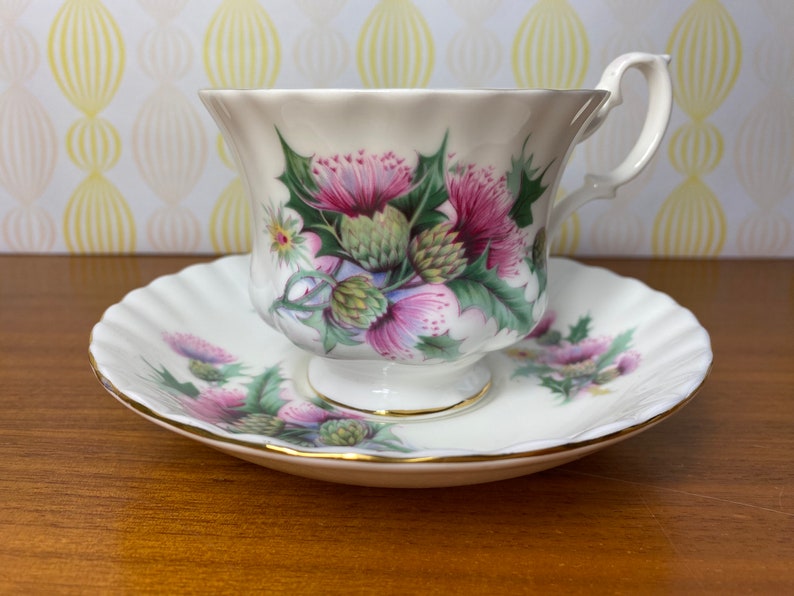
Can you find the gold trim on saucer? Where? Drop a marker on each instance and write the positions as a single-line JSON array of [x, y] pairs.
[[381, 459]]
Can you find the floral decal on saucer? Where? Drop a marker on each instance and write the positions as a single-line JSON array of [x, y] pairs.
[[386, 250], [575, 363], [220, 390]]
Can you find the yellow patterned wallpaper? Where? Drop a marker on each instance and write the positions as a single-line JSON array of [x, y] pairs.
[[104, 146]]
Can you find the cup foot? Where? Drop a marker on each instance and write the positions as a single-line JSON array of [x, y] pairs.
[[390, 389]]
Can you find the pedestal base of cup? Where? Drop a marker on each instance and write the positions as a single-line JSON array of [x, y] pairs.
[[391, 389]]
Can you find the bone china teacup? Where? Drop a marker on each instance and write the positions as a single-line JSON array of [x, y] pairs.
[[400, 235]]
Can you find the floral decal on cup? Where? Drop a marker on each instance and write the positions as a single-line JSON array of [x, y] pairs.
[[386, 251], [574, 363], [221, 391]]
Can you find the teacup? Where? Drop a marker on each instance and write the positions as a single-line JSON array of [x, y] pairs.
[[400, 235]]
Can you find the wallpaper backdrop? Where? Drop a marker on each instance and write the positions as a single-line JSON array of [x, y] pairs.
[[104, 146]]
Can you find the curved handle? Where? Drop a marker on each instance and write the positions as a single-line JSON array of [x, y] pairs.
[[660, 102]]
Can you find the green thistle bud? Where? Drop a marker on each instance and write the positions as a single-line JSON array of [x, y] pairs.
[[343, 433], [205, 371], [357, 303], [437, 255], [377, 243], [260, 424], [579, 369], [607, 375]]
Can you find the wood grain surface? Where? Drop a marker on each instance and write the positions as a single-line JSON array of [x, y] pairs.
[[94, 499]]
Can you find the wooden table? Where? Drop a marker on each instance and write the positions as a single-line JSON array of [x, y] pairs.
[[94, 499]]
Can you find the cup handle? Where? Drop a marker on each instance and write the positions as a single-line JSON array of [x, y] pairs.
[[660, 102]]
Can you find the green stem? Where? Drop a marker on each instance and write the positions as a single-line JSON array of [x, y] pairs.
[[300, 305], [330, 227], [309, 295], [404, 275], [295, 306], [422, 201], [301, 275]]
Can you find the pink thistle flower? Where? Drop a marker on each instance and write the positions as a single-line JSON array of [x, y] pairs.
[[628, 362], [302, 413], [360, 183], [421, 313], [195, 348], [216, 404], [587, 349], [480, 203]]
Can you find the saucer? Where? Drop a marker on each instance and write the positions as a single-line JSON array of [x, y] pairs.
[[610, 359]]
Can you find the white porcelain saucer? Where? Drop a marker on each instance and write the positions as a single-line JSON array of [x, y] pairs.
[[613, 357]]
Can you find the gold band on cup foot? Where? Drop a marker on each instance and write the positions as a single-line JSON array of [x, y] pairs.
[[407, 413], [385, 388]]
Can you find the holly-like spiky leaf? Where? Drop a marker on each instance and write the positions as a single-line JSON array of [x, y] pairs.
[[297, 172], [382, 438], [563, 387], [264, 391], [302, 187], [579, 331], [480, 287], [531, 369], [298, 436], [539, 268], [166, 379], [527, 187], [440, 346], [430, 191], [543, 280], [620, 344], [229, 371]]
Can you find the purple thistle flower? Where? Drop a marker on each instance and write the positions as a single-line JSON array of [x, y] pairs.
[[480, 206], [361, 183], [195, 348], [422, 313], [302, 413], [567, 354], [216, 404], [628, 362]]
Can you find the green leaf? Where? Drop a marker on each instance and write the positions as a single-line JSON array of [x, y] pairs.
[[300, 437], [480, 287], [540, 270], [439, 346], [562, 387], [167, 380], [527, 186], [531, 369], [297, 174], [300, 182], [543, 280], [579, 331], [331, 334], [264, 393], [619, 345], [322, 404], [229, 371], [429, 192], [383, 436]]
